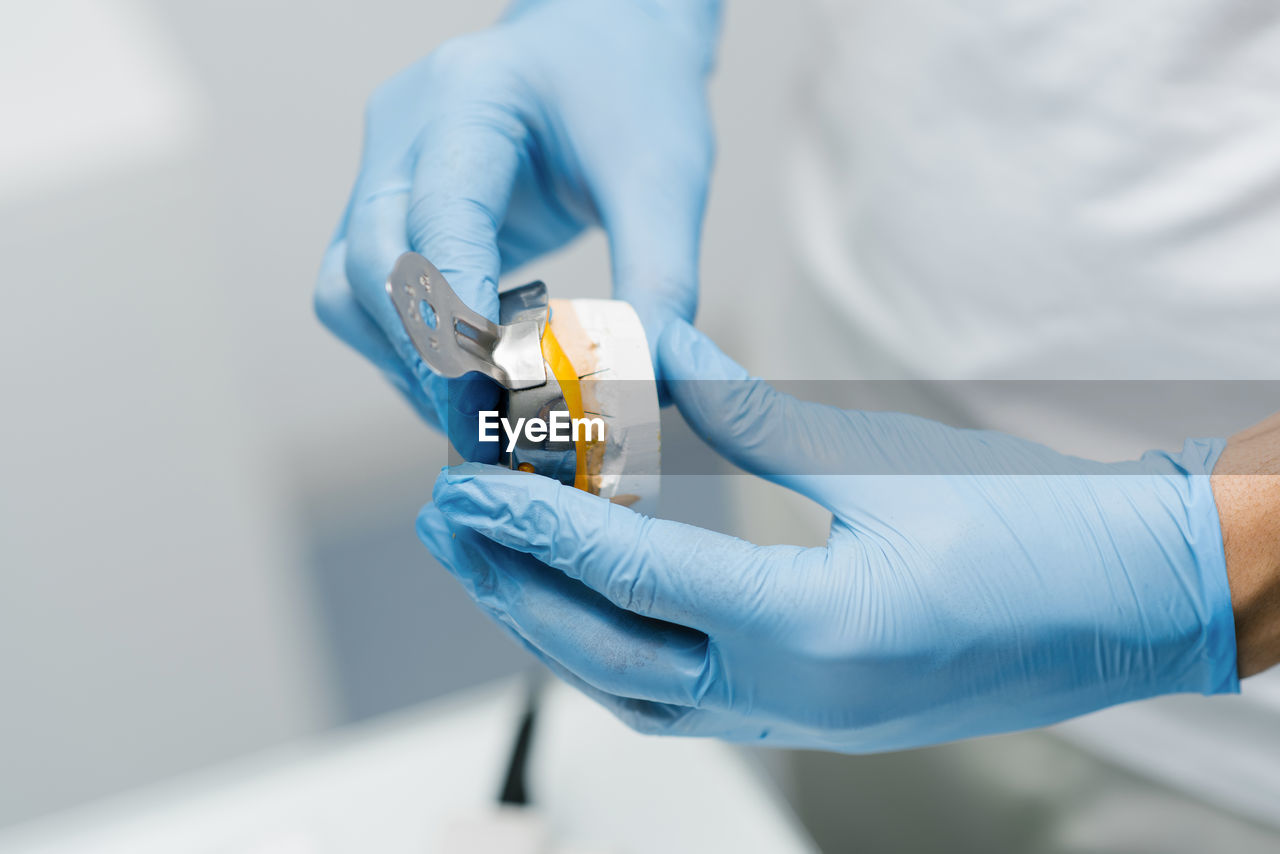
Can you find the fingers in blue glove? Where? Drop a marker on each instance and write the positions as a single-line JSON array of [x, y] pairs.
[[657, 568], [435, 180], [654, 227], [467, 155], [613, 650], [792, 442], [808, 446], [456, 401], [474, 560], [338, 310]]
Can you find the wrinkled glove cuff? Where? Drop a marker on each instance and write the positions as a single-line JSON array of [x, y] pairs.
[[1214, 669]]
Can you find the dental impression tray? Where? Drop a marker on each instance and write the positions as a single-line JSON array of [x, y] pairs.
[[581, 360]]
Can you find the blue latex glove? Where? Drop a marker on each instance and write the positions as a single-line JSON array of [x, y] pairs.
[[504, 145], [1031, 589]]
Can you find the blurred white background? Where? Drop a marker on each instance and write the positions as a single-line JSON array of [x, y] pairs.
[[206, 540]]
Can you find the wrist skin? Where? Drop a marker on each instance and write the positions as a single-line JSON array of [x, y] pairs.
[[1246, 489]]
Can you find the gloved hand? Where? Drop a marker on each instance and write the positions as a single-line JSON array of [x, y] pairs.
[[505, 144], [994, 585]]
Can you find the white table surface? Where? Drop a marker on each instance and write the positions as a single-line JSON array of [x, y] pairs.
[[394, 785]]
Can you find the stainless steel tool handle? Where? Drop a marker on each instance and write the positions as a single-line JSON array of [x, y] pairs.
[[454, 340]]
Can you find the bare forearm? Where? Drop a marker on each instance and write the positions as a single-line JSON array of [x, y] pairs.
[[1246, 487]]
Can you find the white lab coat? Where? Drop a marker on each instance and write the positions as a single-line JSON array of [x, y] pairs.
[[1078, 189]]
